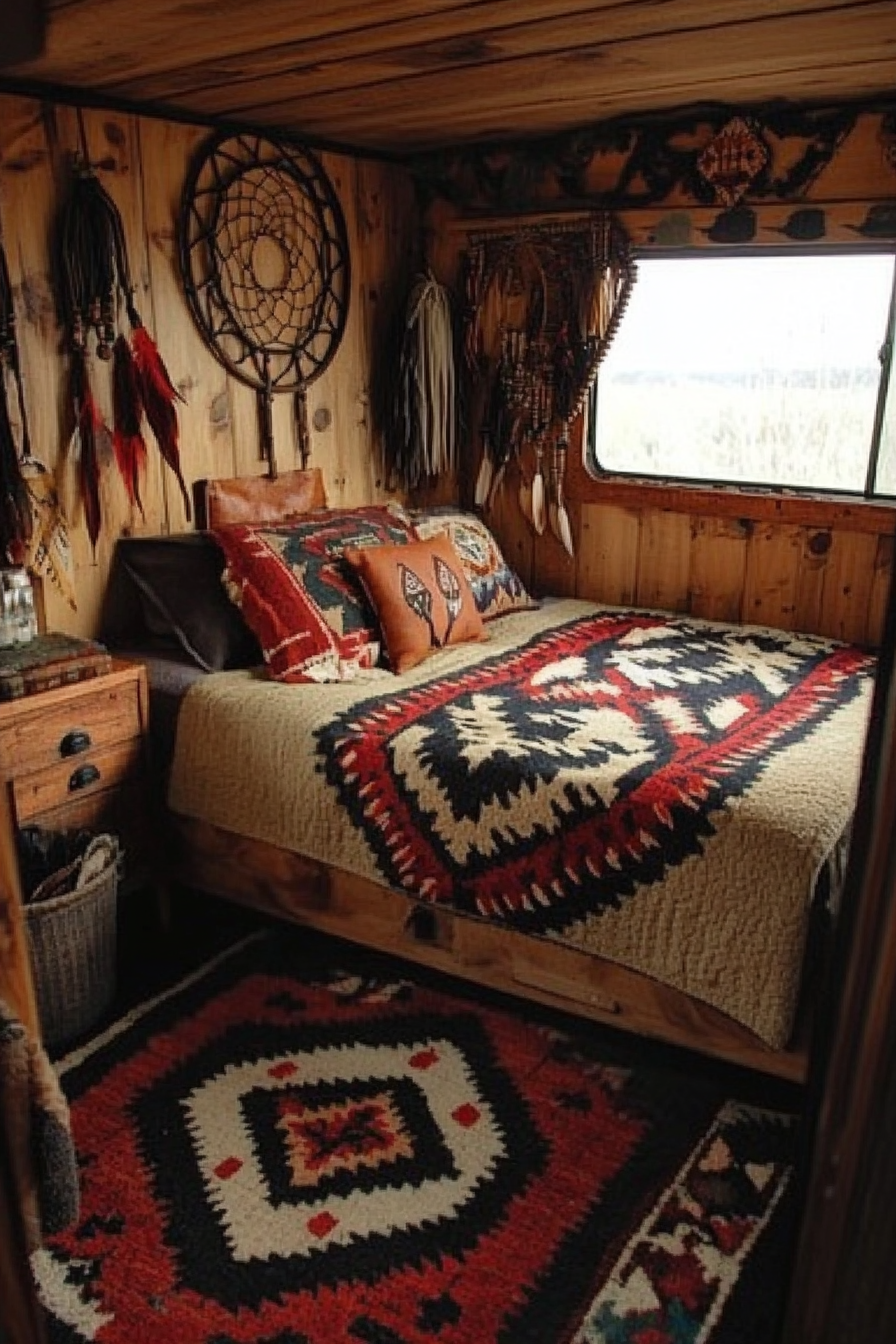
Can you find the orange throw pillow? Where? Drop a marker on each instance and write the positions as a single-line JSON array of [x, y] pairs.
[[421, 596]]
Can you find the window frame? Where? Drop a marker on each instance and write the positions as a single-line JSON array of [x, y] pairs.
[[886, 389]]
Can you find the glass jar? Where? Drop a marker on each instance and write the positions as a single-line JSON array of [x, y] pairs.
[[18, 619]]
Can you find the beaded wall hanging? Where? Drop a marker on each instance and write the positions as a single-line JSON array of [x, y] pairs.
[[542, 303]]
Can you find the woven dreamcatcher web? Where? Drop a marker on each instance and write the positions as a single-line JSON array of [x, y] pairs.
[[265, 264]]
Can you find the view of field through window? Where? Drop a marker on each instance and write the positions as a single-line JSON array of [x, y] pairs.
[[751, 370]]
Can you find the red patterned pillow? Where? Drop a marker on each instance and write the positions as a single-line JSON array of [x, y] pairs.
[[302, 601], [497, 589], [421, 596]]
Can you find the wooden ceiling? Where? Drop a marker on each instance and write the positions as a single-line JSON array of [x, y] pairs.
[[400, 76]]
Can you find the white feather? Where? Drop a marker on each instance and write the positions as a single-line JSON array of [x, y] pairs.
[[563, 531], [483, 481], [538, 510]]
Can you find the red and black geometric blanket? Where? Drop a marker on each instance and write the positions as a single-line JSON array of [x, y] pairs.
[[559, 778]]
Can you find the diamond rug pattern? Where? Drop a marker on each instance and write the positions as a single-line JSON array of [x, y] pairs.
[[279, 1154]]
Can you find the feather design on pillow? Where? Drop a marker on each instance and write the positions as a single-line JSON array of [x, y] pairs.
[[449, 587], [418, 598]]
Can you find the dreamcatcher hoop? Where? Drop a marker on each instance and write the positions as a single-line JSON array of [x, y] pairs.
[[265, 266]]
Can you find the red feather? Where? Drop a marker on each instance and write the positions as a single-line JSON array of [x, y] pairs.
[[158, 395], [127, 439], [89, 422], [147, 354]]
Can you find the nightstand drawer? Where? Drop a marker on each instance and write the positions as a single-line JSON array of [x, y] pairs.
[[89, 718], [75, 778], [120, 810]]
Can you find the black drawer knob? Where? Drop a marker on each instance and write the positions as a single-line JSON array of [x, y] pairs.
[[74, 742], [84, 775]]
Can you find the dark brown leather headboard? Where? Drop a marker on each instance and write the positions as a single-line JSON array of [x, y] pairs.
[[259, 499]]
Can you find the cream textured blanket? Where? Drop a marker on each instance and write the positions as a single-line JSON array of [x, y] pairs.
[[661, 791]]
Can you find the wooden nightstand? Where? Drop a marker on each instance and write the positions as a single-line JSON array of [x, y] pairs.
[[76, 756]]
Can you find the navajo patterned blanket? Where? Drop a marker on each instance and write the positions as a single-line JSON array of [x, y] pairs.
[[662, 791]]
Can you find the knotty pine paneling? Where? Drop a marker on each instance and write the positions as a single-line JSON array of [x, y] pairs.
[[521, 91], [831, 580], [819, 566], [822, 566], [142, 163]]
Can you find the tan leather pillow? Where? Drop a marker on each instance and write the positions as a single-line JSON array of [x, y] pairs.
[[420, 595], [261, 499]]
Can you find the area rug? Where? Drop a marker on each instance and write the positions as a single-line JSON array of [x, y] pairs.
[[275, 1152]]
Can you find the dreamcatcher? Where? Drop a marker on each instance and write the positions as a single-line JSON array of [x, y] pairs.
[[265, 265], [542, 304], [96, 286], [32, 528]]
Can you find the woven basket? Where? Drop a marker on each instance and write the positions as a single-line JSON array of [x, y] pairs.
[[73, 940]]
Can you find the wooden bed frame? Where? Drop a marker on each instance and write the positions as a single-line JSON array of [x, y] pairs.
[[284, 884], [333, 901]]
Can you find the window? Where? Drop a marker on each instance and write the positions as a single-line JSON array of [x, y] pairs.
[[754, 370]]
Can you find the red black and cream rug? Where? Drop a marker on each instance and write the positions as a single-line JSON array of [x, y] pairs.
[[275, 1153]]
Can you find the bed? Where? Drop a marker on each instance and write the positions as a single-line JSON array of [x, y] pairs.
[[636, 817]]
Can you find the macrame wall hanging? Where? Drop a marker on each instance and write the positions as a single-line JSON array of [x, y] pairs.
[[265, 266], [420, 439], [542, 303], [33, 530], [98, 300]]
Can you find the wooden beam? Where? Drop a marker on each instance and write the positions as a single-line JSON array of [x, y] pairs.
[[775, 56]]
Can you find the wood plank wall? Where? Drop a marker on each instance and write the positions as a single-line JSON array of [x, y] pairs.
[[722, 554], [142, 163], [817, 565]]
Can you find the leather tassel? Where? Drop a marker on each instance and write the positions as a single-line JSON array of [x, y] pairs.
[[158, 396], [87, 422], [127, 440]]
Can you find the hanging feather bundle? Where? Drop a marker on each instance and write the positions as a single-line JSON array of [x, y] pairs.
[[422, 439], [96, 284], [15, 506]]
